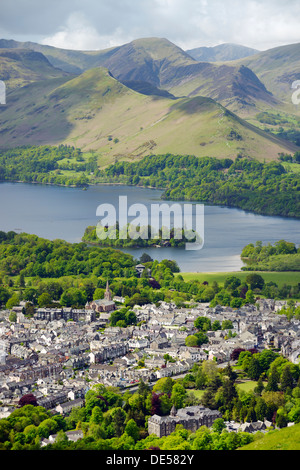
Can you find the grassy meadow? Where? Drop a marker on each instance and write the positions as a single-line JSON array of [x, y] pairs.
[[280, 278]]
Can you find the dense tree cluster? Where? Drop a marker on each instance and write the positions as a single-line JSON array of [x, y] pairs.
[[41, 272], [265, 188], [128, 236], [32, 256], [282, 256], [43, 164]]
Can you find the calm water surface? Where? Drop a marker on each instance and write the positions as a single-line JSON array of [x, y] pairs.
[[59, 212]]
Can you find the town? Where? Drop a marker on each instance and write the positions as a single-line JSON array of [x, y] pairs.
[[59, 354]]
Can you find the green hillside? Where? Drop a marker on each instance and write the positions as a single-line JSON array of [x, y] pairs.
[[94, 111], [164, 65], [283, 439]]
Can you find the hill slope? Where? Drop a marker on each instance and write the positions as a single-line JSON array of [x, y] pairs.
[[20, 67], [285, 439], [277, 68], [164, 65], [95, 111]]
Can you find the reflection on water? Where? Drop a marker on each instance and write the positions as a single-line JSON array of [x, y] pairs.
[[58, 212]]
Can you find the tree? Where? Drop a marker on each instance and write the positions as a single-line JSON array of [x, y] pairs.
[[132, 430], [286, 379], [256, 281], [261, 409], [47, 427], [13, 301], [28, 399], [61, 440], [73, 297], [145, 258], [98, 294], [254, 369], [22, 279], [44, 299], [178, 395], [4, 295], [259, 387], [272, 385], [155, 404], [202, 323], [201, 338], [97, 415], [229, 392], [118, 417], [191, 341], [216, 325], [250, 299], [164, 385], [227, 325], [143, 389], [230, 373], [218, 425], [12, 317], [130, 318], [232, 283], [236, 354]]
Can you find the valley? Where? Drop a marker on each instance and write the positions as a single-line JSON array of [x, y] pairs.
[[101, 345]]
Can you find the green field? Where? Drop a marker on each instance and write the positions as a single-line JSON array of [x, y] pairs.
[[280, 278], [284, 439]]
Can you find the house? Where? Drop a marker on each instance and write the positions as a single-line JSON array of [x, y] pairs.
[[191, 417], [194, 354], [159, 342], [65, 408], [140, 268], [138, 343], [71, 435]]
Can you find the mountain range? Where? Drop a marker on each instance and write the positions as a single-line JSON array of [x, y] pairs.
[[148, 96]]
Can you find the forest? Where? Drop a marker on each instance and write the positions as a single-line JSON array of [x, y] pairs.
[[51, 273], [45, 165], [263, 188], [281, 256]]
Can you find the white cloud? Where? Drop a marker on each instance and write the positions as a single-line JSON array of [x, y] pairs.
[[99, 24], [78, 33]]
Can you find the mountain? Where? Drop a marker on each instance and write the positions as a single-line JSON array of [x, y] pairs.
[[163, 65], [20, 67], [70, 61], [234, 86], [277, 68], [94, 111], [221, 53]]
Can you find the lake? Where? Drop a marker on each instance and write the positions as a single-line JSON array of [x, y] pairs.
[[60, 212]]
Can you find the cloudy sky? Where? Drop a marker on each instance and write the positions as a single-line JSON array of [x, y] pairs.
[[99, 24]]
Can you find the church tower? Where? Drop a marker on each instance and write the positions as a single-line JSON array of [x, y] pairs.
[[107, 294]]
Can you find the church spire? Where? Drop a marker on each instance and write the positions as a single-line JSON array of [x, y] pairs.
[[107, 295]]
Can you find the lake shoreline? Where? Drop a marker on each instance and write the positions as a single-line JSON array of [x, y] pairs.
[[191, 201], [53, 212]]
